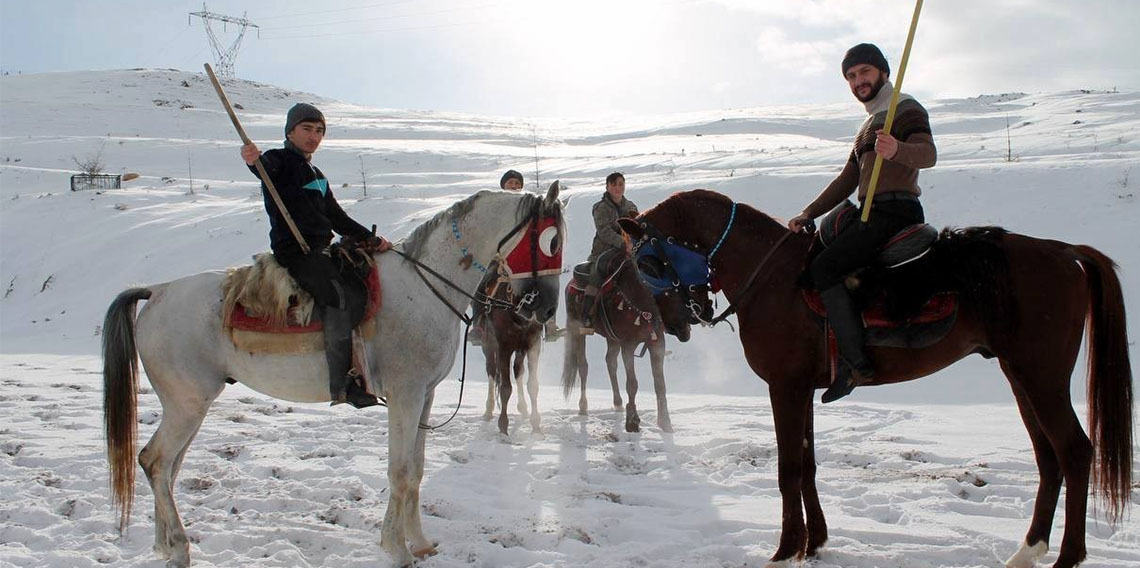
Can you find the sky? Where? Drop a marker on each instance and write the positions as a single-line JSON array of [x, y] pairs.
[[591, 58]]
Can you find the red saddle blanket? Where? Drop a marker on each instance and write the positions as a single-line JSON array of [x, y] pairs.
[[940, 307], [243, 321]]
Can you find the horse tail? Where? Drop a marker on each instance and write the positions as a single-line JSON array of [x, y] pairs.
[[120, 397], [1109, 382], [575, 348]]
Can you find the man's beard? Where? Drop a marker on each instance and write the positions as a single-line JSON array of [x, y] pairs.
[[878, 86]]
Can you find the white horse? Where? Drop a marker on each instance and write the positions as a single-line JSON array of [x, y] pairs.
[[188, 358]]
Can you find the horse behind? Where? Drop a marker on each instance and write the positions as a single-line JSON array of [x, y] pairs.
[[509, 342], [627, 317], [188, 357], [1022, 300]]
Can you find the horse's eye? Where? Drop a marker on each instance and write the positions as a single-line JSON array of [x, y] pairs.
[[651, 266], [549, 241]]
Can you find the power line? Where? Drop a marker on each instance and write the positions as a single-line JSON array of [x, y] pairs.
[[224, 58], [392, 17], [386, 30], [362, 7]]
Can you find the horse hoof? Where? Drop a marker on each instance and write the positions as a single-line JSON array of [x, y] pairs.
[[426, 552], [666, 428], [1027, 556]]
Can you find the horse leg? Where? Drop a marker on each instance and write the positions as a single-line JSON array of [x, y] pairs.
[[161, 459], [1036, 542], [816, 523], [532, 354], [612, 350], [517, 367], [657, 363], [1063, 453], [422, 547], [789, 412], [491, 367], [632, 420], [505, 389], [404, 411], [576, 343]]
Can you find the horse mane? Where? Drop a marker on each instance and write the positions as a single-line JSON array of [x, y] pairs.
[[683, 205], [414, 241], [419, 235]]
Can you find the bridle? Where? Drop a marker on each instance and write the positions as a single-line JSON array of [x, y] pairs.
[[685, 269], [480, 298], [667, 252]]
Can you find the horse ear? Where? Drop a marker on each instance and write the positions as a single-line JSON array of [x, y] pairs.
[[631, 227], [552, 193]]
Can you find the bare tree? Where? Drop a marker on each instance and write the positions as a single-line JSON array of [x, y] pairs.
[[91, 165]]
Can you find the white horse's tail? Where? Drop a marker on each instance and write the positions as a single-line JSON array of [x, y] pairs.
[[120, 397]]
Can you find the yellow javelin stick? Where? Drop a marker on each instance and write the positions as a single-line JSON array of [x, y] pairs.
[[890, 114]]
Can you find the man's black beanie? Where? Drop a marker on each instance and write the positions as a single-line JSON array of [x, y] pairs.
[[510, 174], [865, 53], [302, 112]]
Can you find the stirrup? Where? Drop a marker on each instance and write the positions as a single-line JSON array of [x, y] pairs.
[[555, 335]]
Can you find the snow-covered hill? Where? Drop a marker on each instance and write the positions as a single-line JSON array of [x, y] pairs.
[[899, 470]]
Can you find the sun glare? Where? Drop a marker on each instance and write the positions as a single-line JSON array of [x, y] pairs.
[[591, 39]]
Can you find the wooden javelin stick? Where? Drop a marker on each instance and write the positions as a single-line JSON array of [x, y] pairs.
[[260, 167], [867, 201]]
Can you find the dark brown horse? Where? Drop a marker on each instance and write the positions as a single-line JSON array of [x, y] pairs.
[[509, 342], [1022, 300], [627, 317]]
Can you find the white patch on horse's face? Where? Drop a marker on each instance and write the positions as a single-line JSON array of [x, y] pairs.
[[550, 241]]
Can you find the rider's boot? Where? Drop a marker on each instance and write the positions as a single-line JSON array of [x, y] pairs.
[[588, 300], [343, 387], [856, 368]]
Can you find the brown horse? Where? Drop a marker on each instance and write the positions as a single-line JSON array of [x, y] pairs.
[[507, 336], [1022, 300], [627, 317]]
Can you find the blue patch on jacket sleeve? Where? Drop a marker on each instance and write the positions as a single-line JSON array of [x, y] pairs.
[[319, 184]]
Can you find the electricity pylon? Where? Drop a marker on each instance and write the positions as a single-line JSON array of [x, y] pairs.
[[224, 58]]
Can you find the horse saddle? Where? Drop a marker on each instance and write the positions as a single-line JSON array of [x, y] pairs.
[[582, 272], [608, 262], [908, 245], [930, 323], [265, 311]]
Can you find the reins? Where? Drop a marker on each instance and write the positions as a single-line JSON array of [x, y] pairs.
[[731, 309], [461, 315]]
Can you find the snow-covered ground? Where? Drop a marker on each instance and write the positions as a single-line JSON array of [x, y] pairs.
[[936, 472]]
